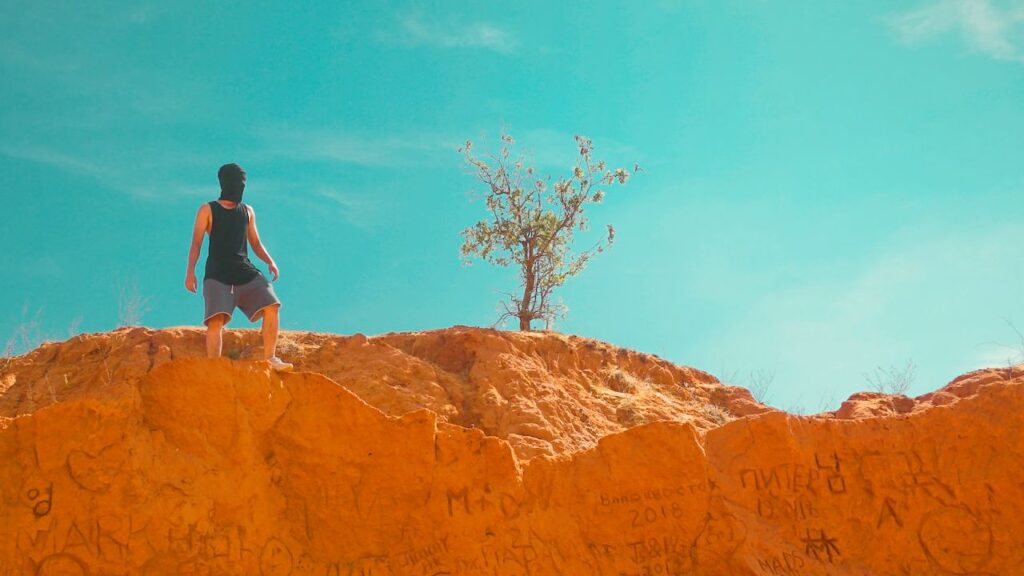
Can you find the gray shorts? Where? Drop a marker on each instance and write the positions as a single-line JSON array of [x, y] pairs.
[[251, 297]]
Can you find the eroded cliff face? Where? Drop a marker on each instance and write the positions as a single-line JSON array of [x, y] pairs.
[[543, 393], [186, 465]]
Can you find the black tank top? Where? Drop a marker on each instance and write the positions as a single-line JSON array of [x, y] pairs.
[[228, 257]]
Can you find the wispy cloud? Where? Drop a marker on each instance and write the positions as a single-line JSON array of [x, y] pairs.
[[998, 355], [358, 207], [909, 302], [60, 160], [136, 180], [991, 27], [414, 30], [358, 210], [141, 14], [381, 150], [163, 191]]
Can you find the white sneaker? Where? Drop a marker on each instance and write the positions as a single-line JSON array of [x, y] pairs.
[[280, 365]]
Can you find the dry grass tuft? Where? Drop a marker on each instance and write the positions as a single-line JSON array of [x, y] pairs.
[[714, 414], [621, 381]]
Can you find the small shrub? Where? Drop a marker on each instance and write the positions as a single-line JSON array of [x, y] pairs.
[[131, 306], [28, 334], [758, 382], [893, 380], [827, 402], [73, 325]]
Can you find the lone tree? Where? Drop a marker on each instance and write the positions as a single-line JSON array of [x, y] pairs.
[[531, 225]]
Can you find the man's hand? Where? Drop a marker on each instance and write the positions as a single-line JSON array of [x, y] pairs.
[[274, 271], [190, 282]]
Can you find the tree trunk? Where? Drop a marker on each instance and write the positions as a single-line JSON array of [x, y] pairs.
[[525, 313]]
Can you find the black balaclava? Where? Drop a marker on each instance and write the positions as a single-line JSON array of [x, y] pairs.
[[232, 182]]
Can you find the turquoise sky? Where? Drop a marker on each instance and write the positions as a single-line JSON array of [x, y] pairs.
[[830, 187]]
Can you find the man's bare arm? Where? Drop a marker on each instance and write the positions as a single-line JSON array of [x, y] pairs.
[[200, 228], [258, 248]]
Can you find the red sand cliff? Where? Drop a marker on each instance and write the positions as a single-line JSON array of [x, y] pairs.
[[469, 451]]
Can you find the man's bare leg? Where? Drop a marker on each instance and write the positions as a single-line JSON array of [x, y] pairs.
[[271, 321], [215, 335]]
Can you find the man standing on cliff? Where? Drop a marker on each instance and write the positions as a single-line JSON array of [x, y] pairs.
[[231, 280]]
